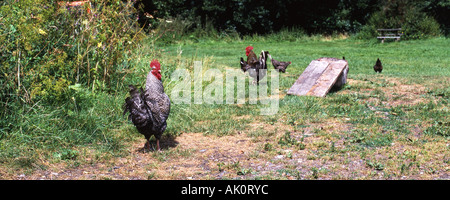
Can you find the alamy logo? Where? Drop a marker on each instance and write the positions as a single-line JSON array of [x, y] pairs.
[[233, 84]]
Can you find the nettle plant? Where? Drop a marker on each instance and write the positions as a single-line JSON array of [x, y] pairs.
[[46, 46]]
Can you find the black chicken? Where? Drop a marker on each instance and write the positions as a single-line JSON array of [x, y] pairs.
[[149, 108], [378, 67], [278, 65]]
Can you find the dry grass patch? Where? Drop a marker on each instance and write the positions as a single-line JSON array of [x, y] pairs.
[[389, 91]]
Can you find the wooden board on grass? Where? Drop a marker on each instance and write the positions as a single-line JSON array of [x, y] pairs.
[[319, 77]]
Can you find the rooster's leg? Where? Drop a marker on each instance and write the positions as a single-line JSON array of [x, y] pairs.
[[157, 145], [147, 145]]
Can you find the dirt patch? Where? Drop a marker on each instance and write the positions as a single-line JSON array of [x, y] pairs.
[[247, 156], [207, 151], [404, 94]]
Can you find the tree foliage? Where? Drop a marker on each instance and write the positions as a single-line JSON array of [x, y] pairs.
[[253, 16], [406, 14]]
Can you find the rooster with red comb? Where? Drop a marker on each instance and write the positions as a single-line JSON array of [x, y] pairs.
[[149, 108], [251, 56], [156, 68], [256, 67]]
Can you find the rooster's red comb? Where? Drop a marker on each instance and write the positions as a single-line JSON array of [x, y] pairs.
[[155, 63], [249, 48]]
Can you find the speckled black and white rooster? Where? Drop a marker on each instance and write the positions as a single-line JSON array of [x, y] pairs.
[[149, 108]]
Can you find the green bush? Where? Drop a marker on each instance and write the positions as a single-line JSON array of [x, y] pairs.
[[172, 29], [54, 59], [415, 24], [47, 46], [418, 25]]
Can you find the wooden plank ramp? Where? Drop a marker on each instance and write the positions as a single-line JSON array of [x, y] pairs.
[[319, 77]]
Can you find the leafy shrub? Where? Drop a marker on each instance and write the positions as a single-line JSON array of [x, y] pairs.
[[418, 25], [53, 60], [47, 46], [214, 18], [172, 29], [415, 24]]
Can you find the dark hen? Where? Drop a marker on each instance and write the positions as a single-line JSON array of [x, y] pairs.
[[278, 65], [378, 67]]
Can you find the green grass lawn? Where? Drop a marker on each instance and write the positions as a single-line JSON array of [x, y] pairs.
[[405, 59], [412, 63], [392, 125]]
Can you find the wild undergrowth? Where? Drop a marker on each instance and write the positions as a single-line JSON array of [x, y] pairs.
[[62, 66]]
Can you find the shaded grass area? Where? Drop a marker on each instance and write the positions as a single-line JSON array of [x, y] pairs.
[[379, 126], [45, 134]]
